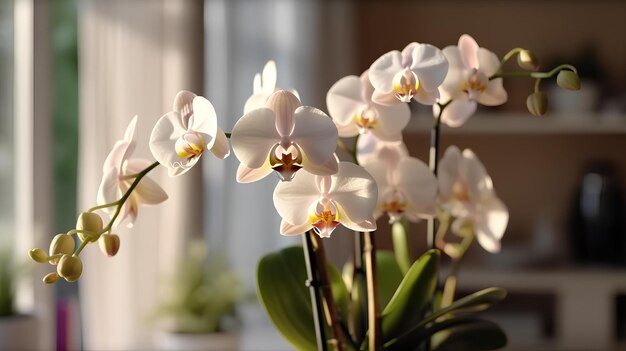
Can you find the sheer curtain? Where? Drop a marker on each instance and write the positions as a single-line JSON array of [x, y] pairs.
[[133, 58]]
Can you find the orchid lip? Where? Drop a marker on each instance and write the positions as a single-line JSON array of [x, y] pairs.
[[286, 161], [324, 217], [190, 145], [366, 119], [475, 84], [405, 85], [394, 205]]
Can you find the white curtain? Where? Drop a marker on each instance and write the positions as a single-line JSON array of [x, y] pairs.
[[134, 56]]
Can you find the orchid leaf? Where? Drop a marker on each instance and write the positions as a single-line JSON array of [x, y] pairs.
[[404, 310], [399, 234], [389, 275], [281, 288]]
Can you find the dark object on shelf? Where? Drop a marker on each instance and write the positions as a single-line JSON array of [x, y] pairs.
[[597, 225]]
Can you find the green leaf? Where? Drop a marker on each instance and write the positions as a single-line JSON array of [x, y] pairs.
[[479, 335], [416, 289], [281, 289], [409, 341], [399, 234], [389, 275]]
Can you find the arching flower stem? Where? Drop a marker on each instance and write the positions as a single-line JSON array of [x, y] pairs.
[[313, 283], [373, 304], [540, 75]]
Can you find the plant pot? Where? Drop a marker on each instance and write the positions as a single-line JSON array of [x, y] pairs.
[[197, 342], [18, 333]]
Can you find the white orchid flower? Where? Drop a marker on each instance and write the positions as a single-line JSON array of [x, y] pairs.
[[284, 137], [414, 73], [350, 105], [466, 191], [467, 83], [263, 86], [322, 203], [406, 186], [181, 136], [119, 170], [370, 149]]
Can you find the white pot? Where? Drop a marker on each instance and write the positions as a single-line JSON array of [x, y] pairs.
[[18, 333], [197, 342]]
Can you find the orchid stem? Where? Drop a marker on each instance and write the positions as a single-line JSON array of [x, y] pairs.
[[433, 163], [541, 75], [313, 283], [110, 204], [450, 286], [373, 307], [330, 306]]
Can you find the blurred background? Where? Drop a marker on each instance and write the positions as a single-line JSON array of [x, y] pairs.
[[73, 74]]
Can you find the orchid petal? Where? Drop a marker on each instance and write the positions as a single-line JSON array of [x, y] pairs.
[[491, 224], [115, 158], [354, 189], [407, 54], [469, 51], [183, 104], [255, 101], [383, 70], [246, 174], [289, 229], [458, 111], [147, 190], [269, 78], [430, 65], [494, 95], [108, 191], [385, 98], [130, 136], [257, 86], [426, 97], [344, 100], [488, 62], [253, 137], [284, 104], [293, 199], [448, 170], [366, 225], [221, 148], [391, 121], [367, 89], [315, 133], [204, 119], [330, 167], [419, 184], [478, 182], [347, 131]]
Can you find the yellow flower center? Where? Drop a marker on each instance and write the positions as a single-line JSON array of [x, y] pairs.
[[475, 83], [286, 162], [460, 192], [394, 205], [190, 145], [405, 85], [366, 119], [324, 218]]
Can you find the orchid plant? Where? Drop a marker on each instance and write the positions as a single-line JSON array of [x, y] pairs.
[[382, 300]]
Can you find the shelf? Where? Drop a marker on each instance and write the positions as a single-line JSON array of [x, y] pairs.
[[524, 123]]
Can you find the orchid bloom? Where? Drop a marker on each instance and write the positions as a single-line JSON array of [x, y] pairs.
[[284, 137], [371, 149], [414, 73], [119, 171], [466, 191], [181, 136], [467, 83], [322, 203], [406, 186], [263, 86], [351, 107]]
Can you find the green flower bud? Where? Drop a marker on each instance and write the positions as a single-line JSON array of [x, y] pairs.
[[537, 103], [527, 60], [88, 221], [38, 255], [568, 80], [70, 268], [109, 244], [51, 278], [61, 244]]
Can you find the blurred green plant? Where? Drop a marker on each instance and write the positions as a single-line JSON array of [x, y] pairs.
[[7, 279], [203, 294]]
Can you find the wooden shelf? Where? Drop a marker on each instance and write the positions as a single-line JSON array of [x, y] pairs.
[[523, 123]]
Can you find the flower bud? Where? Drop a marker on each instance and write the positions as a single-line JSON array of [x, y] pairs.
[[51, 278], [109, 244], [88, 221], [568, 80], [527, 60], [38, 255], [537, 103], [70, 267], [61, 244]]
